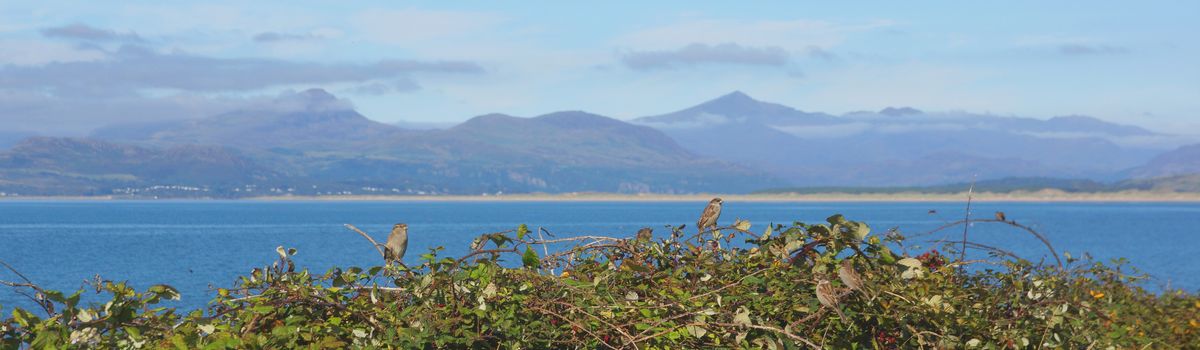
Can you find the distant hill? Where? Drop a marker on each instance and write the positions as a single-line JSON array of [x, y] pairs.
[[1184, 183], [316, 144], [66, 166], [410, 125], [312, 142], [1181, 161], [900, 146], [312, 119], [1179, 183], [10, 138], [557, 152], [1005, 185]]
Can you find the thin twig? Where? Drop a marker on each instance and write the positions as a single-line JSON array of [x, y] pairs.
[[962, 255], [14, 270], [368, 237], [545, 249], [771, 329], [1031, 231]]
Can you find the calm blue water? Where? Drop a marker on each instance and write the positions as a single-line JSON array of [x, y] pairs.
[[193, 245]]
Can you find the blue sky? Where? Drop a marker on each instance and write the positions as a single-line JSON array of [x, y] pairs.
[[69, 67]]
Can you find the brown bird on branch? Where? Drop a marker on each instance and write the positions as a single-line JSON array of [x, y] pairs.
[[397, 244], [645, 234], [828, 297], [1000, 216], [708, 218], [850, 277]]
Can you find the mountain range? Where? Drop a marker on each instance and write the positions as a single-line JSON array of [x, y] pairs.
[[901, 146], [313, 143]]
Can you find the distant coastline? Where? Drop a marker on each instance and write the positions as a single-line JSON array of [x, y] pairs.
[[1023, 196]]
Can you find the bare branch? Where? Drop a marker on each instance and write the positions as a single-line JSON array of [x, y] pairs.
[[368, 237]]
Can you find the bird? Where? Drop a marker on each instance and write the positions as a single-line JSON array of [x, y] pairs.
[[708, 218], [1000, 216], [828, 297], [397, 244], [850, 277], [645, 234]]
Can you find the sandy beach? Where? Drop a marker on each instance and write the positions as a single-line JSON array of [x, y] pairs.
[[1039, 196]]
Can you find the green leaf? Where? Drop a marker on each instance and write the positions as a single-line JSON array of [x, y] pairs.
[[55, 296], [836, 219], [886, 256], [165, 291], [522, 231], [530, 259]]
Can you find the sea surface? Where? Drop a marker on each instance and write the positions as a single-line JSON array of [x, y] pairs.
[[197, 246]]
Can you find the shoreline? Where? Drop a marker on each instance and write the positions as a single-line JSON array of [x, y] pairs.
[[1038, 196]]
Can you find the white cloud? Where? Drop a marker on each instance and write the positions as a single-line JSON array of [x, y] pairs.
[[696, 53], [26, 52]]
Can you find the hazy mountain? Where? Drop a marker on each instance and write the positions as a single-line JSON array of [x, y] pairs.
[[899, 145], [410, 125], [312, 119], [318, 145], [67, 166], [1181, 161], [557, 152], [1180, 183], [10, 138], [314, 143], [1004, 185]]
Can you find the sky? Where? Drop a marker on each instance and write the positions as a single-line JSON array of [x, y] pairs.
[[69, 67]]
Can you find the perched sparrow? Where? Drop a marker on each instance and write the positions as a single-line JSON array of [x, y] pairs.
[[709, 217], [850, 277], [645, 234], [828, 297], [1000, 216], [397, 244]]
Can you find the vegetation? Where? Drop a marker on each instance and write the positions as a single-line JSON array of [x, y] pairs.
[[732, 287]]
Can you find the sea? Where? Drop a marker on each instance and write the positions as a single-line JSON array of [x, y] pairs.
[[198, 246]]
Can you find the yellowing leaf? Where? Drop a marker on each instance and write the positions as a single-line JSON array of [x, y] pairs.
[[912, 272], [742, 317], [742, 225], [910, 262]]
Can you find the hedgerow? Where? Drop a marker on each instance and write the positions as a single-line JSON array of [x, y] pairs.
[[725, 288]]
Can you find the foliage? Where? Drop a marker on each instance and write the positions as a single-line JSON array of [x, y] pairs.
[[723, 288]]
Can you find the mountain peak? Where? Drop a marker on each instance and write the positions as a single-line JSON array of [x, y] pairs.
[[899, 111], [317, 95], [735, 97], [311, 100], [572, 119]]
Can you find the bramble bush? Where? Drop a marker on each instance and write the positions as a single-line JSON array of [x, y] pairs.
[[728, 288]]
